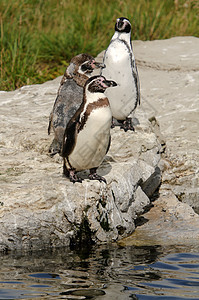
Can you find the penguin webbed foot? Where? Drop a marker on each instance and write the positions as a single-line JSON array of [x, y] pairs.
[[94, 176], [71, 174], [127, 125], [113, 123], [74, 178]]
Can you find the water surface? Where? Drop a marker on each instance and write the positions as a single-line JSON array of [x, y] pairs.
[[105, 272]]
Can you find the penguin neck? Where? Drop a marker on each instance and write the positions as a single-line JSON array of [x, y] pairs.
[[90, 98], [122, 36], [80, 79]]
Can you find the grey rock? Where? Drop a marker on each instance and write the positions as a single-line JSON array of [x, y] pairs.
[[169, 222], [152, 183], [39, 207], [169, 76]]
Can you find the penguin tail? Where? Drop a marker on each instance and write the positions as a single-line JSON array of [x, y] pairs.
[[65, 169]]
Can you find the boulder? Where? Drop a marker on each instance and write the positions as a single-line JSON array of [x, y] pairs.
[[169, 76], [39, 207], [168, 223]]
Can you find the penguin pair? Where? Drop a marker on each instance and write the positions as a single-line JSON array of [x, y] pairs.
[[69, 97], [81, 119], [83, 138]]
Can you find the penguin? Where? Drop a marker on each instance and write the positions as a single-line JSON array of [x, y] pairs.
[[69, 96], [87, 135], [120, 67]]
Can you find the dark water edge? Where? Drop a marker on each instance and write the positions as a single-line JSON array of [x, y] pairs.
[[102, 272]]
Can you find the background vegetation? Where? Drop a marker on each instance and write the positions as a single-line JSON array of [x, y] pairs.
[[38, 38]]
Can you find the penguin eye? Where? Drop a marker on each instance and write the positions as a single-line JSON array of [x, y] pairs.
[[98, 82], [86, 67], [101, 80]]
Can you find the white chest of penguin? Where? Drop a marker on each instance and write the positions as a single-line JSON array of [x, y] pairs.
[[92, 141], [118, 61]]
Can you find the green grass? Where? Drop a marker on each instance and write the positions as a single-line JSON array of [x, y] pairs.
[[38, 38]]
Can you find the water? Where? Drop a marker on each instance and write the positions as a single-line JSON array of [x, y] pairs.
[[105, 272]]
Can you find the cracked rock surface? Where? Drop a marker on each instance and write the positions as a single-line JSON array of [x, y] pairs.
[[39, 207]]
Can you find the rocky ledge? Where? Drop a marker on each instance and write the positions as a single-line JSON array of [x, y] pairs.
[[169, 71], [40, 208]]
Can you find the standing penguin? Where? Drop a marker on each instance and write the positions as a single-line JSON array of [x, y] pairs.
[[69, 96], [120, 67], [87, 135]]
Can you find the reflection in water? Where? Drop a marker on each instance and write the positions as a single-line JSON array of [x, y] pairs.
[[105, 272]]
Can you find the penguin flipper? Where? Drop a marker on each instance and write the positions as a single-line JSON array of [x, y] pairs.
[[109, 144], [70, 133], [137, 82], [69, 138], [51, 116], [50, 122]]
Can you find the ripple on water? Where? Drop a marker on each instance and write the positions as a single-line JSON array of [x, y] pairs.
[[103, 273], [177, 278]]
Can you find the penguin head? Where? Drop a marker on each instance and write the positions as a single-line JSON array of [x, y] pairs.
[[83, 64], [89, 65], [98, 84], [123, 25]]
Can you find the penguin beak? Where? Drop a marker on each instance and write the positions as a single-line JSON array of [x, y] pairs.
[[110, 83], [99, 65]]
